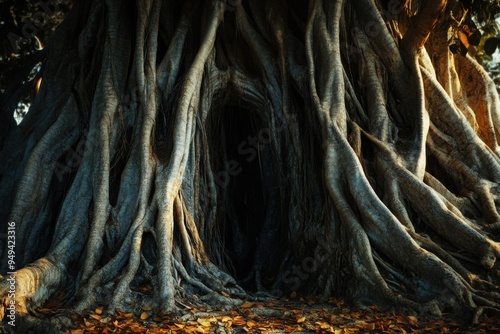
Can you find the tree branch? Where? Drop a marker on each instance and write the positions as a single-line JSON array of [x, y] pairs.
[[422, 25]]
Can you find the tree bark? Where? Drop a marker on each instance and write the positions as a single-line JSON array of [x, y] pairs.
[[239, 149]]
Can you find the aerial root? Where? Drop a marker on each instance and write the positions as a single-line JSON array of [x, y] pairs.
[[31, 285], [36, 183], [454, 276], [434, 209], [480, 311], [461, 203], [466, 145], [372, 200], [133, 265], [213, 291], [431, 246], [363, 260]]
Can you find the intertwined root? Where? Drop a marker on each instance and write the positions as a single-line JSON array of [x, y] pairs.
[[372, 157]]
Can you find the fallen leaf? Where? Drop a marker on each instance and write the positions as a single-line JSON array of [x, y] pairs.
[[239, 321], [98, 310], [246, 305], [413, 318], [204, 323], [95, 316], [367, 326], [324, 325], [401, 320], [251, 324], [225, 294], [144, 315], [302, 319], [77, 331]]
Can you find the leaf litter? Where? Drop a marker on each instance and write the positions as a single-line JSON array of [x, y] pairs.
[[286, 315]]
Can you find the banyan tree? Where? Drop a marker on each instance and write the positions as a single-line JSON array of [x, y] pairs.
[[237, 149]]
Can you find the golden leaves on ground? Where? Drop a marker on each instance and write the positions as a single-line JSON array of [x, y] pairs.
[[276, 316], [246, 305]]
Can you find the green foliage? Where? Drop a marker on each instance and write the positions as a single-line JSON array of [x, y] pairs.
[[486, 15]]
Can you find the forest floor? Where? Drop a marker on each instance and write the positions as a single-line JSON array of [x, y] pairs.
[[293, 314]]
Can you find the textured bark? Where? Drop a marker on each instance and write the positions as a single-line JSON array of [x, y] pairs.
[[228, 150]]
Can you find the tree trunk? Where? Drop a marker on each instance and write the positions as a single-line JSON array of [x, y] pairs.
[[233, 149]]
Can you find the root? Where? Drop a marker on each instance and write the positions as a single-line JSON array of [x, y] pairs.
[[29, 287], [366, 148]]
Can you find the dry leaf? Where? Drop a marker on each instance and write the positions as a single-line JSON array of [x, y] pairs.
[[98, 310], [144, 315], [401, 319], [239, 321], [300, 320], [146, 308], [412, 318], [246, 305], [95, 316], [367, 326], [77, 331], [324, 325], [204, 322], [225, 294], [251, 324]]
